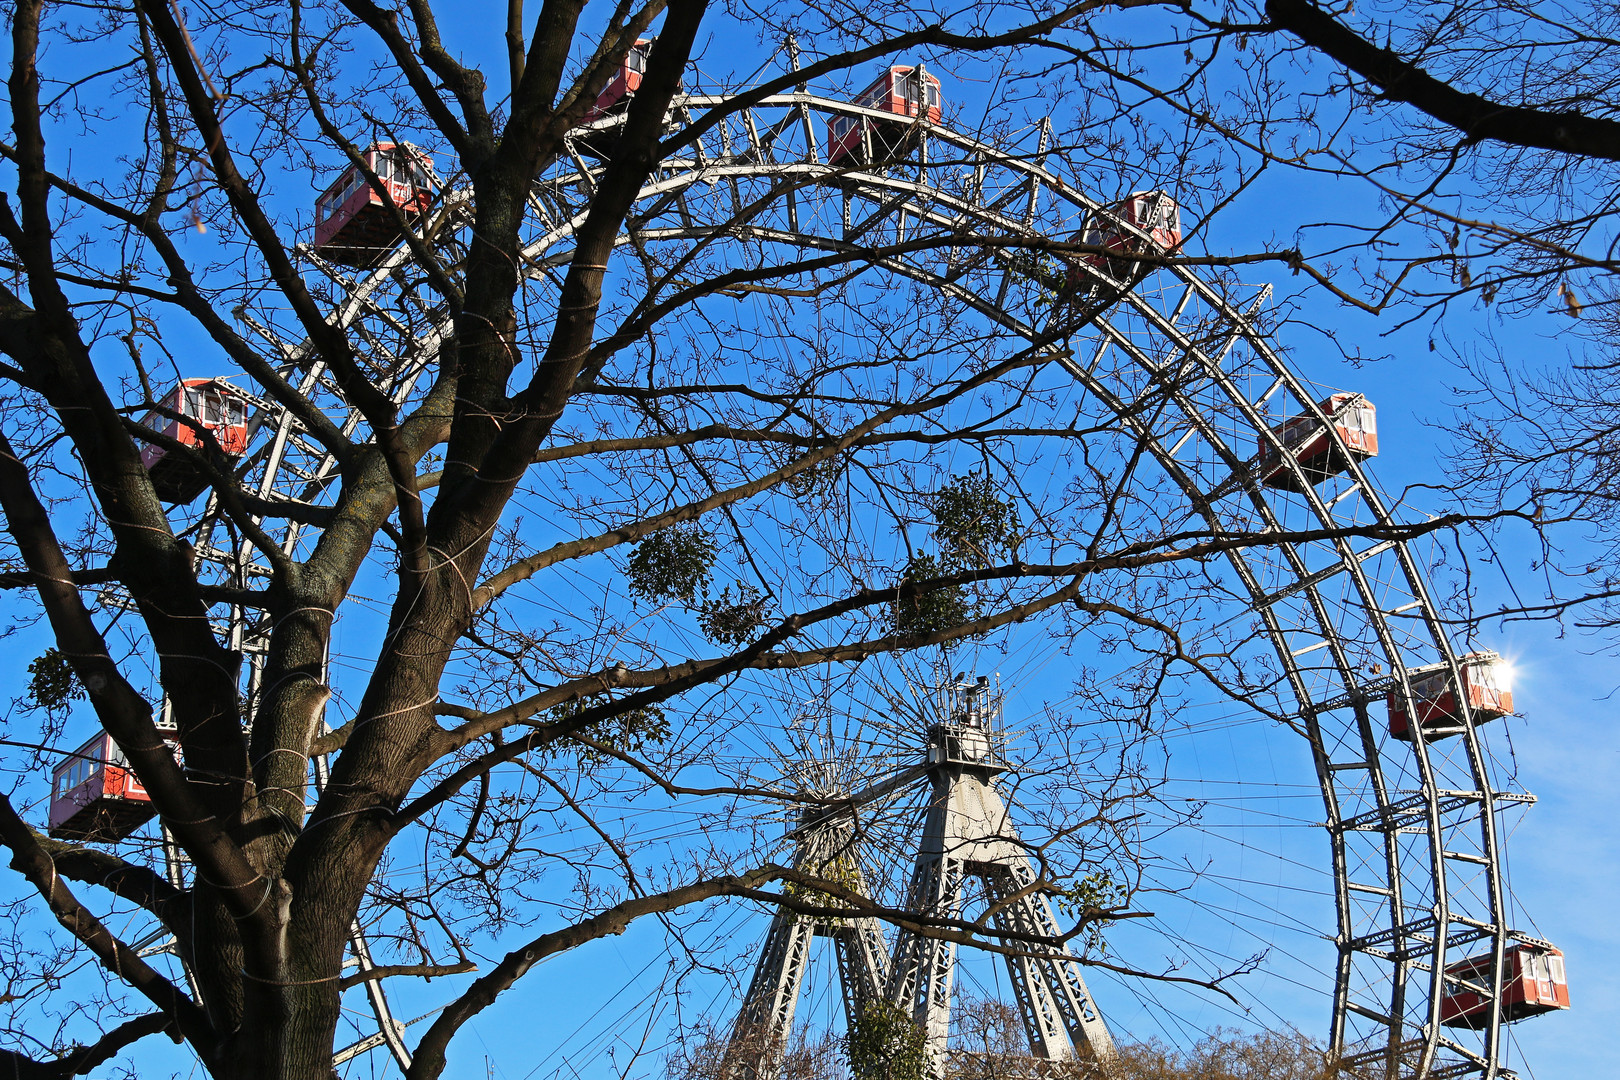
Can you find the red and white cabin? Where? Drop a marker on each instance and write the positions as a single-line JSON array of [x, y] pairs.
[[95, 795], [1307, 442], [1143, 223], [1154, 213], [212, 404], [1485, 686], [352, 223], [904, 91], [625, 82], [1533, 982]]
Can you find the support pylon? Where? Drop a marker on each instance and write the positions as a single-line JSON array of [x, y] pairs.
[[827, 847], [968, 833]]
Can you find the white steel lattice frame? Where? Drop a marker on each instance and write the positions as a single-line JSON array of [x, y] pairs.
[[968, 833], [1411, 826], [827, 849]]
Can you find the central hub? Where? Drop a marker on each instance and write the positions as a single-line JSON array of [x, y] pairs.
[[968, 732]]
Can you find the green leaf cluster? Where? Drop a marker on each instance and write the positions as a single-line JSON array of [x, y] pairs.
[[1090, 898], [841, 871], [1049, 273], [817, 479], [675, 564], [51, 682], [728, 621], [930, 612], [973, 525], [885, 1043], [629, 732]]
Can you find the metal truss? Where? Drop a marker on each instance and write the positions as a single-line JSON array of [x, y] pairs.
[[968, 834], [827, 848]]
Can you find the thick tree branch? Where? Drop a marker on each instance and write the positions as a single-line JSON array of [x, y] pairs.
[[466, 83], [429, 1060], [385, 24], [190, 299], [662, 683], [123, 712], [524, 569], [547, 393], [233, 500], [328, 338], [978, 934], [82, 1060], [137, 884], [155, 566], [515, 48], [1478, 118], [389, 971], [47, 343], [533, 115], [84, 579]]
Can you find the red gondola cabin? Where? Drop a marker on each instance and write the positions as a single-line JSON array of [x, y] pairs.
[[902, 91], [1143, 223], [1305, 440], [624, 84], [352, 224], [95, 796], [1533, 982], [212, 404], [1485, 685]]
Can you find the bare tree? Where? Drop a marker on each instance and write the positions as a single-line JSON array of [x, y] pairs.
[[591, 507], [992, 1044], [989, 1044], [1229, 1055]]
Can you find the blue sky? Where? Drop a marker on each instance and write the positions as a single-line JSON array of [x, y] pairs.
[[1563, 861]]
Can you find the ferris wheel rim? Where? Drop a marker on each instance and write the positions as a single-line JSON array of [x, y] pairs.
[[1007, 231]]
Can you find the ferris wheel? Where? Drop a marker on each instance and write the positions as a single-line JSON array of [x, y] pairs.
[[1426, 965]]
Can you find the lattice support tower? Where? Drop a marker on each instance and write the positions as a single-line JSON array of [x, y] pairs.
[[969, 834], [826, 846]]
